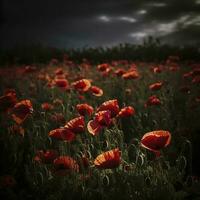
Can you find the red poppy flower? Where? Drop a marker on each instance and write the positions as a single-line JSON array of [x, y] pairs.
[[196, 71], [187, 75], [153, 100], [54, 61], [102, 119], [50, 84], [94, 127], [82, 85], [96, 91], [196, 79], [8, 101], [174, 68], [63, 165], [197, 99], [10, 91], [62, 134], [108, 160], [106, 72], [59, 71], [156, 140], [84, 109], [60, 76], [103, 67], [62, 83], [156, 69], [47, 106], [29, 69], [111, 105], [126, 112], [47, 156], [21, 111], [156, 86], [81, 97], [76, 125], [120, 72], [131, 75]]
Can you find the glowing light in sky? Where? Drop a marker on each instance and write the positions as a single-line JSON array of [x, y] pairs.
[[127, 19], [197, 1], [104, 18], [158, 4], [142, 12]]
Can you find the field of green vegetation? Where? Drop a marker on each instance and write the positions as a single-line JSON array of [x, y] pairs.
[[100, 124]]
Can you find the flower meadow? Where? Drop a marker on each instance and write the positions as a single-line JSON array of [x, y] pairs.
[[114, 130]]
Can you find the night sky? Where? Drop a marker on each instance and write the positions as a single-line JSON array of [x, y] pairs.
[[79, 23]]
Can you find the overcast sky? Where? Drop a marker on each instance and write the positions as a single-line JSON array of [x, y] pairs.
[[78, 23]]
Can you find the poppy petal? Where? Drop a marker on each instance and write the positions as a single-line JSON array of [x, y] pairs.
[[62, 134], [94, 127], [76, 125], [21, 111], [156, 140], [96, 91], [108, 160]]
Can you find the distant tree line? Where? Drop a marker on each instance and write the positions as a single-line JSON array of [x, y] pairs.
[[150, 50]]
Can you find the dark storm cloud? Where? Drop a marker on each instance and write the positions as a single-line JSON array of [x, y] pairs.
[[188, 35], [76, 23], [173, 9]]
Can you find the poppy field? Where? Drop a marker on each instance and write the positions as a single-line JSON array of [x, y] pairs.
[[113, 130]]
